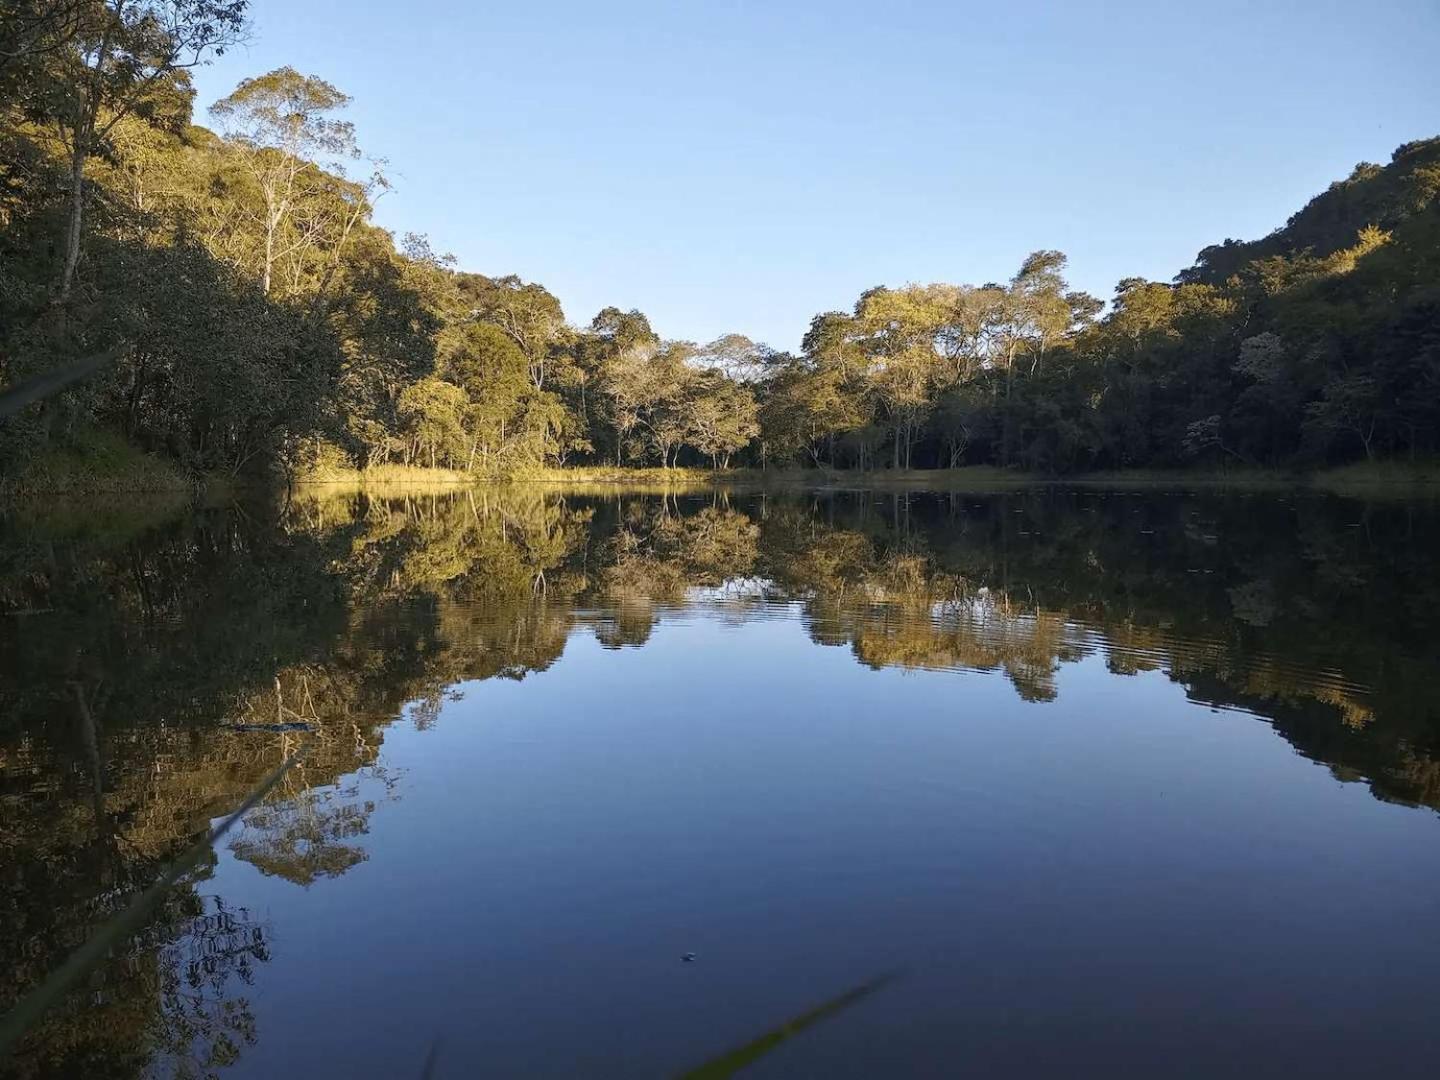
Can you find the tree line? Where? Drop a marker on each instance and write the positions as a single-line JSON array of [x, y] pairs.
[[253, 319]]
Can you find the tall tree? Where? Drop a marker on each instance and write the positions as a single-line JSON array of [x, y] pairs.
[[280, 122], [117, 59], [528, 314]]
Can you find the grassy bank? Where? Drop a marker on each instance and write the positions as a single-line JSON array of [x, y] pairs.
[[1376, 478], [104, 464], [640, 480], [97, 462], [386, 475], [977, 476]]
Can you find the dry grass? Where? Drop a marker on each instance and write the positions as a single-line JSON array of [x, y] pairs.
[[103, 464], [386, 475], [979, 476], [620, 476]]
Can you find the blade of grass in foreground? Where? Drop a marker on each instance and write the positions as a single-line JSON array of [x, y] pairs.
[[732, 1061], [35, 389], [121, 926]]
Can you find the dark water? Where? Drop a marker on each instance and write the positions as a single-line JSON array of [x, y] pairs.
[[1114, 784]]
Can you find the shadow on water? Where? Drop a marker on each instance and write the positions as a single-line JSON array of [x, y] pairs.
[[152, 675]]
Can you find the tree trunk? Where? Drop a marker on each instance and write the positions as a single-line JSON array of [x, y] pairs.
[[136, 385], [269, 259], [1006, 421], [77, 214]]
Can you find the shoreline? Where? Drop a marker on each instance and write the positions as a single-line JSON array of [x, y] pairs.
[[1385, 478]]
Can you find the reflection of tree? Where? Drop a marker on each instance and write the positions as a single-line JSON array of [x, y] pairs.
[[201, 1027], [169, 993], [171, 1001], [208, 650], [306, 837], [167, 636], [887, 598], [655, 557], [1204, 589], [306, 830]]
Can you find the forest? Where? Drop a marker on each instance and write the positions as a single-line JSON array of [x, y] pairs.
[[239, 313]]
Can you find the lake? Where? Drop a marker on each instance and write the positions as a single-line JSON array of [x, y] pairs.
[[1064, 782]]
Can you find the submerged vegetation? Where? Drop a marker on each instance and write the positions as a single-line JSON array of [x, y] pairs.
[[250, 319]]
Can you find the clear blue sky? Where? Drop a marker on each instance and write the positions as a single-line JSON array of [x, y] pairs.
[[730, 165]]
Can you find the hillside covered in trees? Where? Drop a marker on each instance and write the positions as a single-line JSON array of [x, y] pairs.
[[247, 317]]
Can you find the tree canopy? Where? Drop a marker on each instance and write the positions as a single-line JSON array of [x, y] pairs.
[[255, 320]]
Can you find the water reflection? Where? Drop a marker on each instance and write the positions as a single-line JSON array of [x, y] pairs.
[[152, 674]]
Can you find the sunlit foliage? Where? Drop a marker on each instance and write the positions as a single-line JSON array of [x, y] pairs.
[[260, 323]]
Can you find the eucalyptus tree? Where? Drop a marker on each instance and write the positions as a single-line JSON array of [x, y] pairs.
[[648, 390], [739, 358], [808, 401], [508, 423], [433, 414], [613, 357], [666, 393], [528, 314], [294, 152], [1040, 306], [112, 59], [902, 330], [623, 329], [721, 416]]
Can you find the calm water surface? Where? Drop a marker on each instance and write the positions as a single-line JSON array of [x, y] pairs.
[[1112, 783]]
